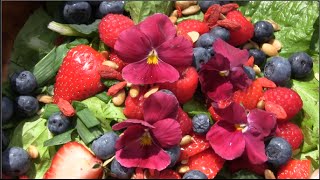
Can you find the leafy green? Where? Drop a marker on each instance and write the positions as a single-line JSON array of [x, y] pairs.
[[34, 132], [198, 16], [79, 30], [243, 174], [87, 118], [59, 139], [194, 107], [33, 41], [87, 135], [48, 110], [139, 10]]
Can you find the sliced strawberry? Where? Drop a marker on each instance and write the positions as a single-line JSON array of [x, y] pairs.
[[165, 174], [250, 61], [114, 57], [192, 25], [133, 108], [214, 115], [266, 83], [295, 169], [184, 121], [197, 145], [275, 109], [74, 161]]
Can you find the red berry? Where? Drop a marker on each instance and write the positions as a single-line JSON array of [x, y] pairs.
[[114, 57], [295, 169], [292, 133], [192, 25], [184, 121], [214, 115], [197, 145], [165, 174], [111, 26], [133, 108]]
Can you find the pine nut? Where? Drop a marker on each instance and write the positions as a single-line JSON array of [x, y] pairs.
[[269, 50], [151, 91], [134, 91], [191, 10], [185, 140], [33, 152], [111, 64], [45, 98], [119, 98]]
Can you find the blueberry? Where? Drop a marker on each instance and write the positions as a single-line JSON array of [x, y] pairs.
[[15, 161], [201, 123], [27, 106], [167, 91], [5, 140], [301, 64], [58, 123], [174, 154], [278, 70], [23, 82], [200, 57], [263, 32], [77, 12], [194, 174], [119, 171], [7, 109], [204, 5], [250, 72], [206, 41], [259, 56], [104, 146], [220, 32], [94, 3], [278, 151], [107, 7]]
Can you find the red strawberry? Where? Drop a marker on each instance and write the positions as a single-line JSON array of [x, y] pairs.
[[186, 86], [133, 108], [114, 57], [242, 35], [78, 77], [184, 121], [250, 96], [295, 169], [287, 98], [192, 25], [214, 115], [197, 145], [207, 162], [292, 133], [165, 174], [111, 26], [74, 161]]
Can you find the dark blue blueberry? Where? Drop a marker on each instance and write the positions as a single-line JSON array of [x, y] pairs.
[[223, 2], [58, 123], [201, 123], [119, 171], [204, 5], [15, 161], [301, 64], [94, 3], [104, 146], [200, 57], [7, 109], [259, 56], [220, 32], [167, 91], [250, 72], [206, 41], [77, 12], [107, 7], [23, 82], [263, 32], [174, 154], [278, 151], [194, 174], [278, 70], [27, 106], [5, 140]]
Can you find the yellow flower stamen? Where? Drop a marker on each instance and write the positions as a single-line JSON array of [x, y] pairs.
[[224, 73], [240, 127], [152, 57], [146, 139]]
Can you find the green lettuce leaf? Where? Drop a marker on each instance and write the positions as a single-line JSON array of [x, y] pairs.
[[194, 107], [80, 30], [34, 132], [198, 16], [139, 10]]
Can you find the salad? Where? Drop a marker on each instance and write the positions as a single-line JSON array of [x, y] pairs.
[[164, 89]]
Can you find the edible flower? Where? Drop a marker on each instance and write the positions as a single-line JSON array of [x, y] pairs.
[[223, 74], [142, 143], [239, 133], [152, 49]]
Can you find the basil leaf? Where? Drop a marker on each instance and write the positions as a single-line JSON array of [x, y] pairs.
[[198, 16]]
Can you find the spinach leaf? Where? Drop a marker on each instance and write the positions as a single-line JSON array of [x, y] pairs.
[[80, 30]]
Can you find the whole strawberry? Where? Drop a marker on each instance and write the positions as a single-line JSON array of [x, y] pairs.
[[292, 133], [295, 169], [197, 145], [184, 121], [111, 26], [192, 25], [78, 77]]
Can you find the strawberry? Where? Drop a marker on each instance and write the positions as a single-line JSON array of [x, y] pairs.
[[186, 86], [244, 33], [287, 98], [165, 174], [78, 77], [197, 145], [214, 115], [133, 108], [111, 26], [184, 121], [192, 25], [114, 57], [290, 132], [295, 169], [74, 161], [207, 162]]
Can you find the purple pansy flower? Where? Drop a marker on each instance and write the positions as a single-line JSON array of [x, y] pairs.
[[152, 49], [142, 143], [239, 133], [224, 74]]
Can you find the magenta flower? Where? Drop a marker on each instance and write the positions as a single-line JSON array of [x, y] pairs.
[[238, 133], [152, 49], [224, 74], [142, 143]]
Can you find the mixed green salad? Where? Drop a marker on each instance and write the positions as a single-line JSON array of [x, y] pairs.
[[35, 49]]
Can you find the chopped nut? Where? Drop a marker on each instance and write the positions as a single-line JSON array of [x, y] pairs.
[[275, 25], [174, 13], [194, 36], [134, 91], [185, 4], [268, 174], [183, 169], [256, 69], [33, 152], [269, 50], [260, 104], [119, 98], [191, 10], [185, 140], [173, 19], [276, 43], [111, 64], [151, 91], [106, 162], [45, 98]]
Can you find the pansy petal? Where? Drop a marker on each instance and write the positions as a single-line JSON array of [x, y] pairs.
[[143, 73], [226, 141], [217, 63], [236, 56], [158, 28], [177, 51], [262, 122], [131, 135], [255, 149], [233, 114], [131, 122], [132, 45], [222, 92], [167, 132], [160, 106], [239, 78]]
